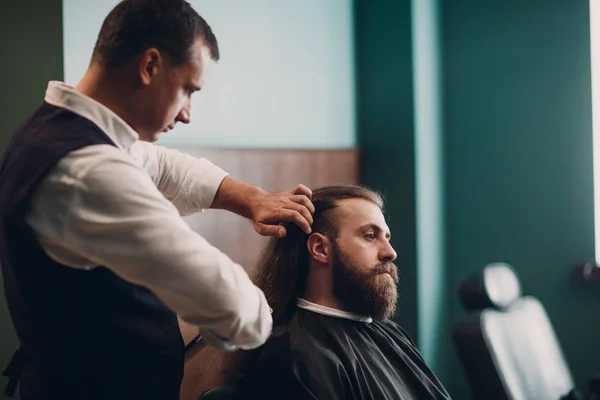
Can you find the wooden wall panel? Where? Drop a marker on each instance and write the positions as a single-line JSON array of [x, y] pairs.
[[272, 170]]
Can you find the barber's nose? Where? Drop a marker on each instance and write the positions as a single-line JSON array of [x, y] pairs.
[[388, 253], [184, 115]]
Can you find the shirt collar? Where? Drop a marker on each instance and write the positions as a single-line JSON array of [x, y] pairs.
[[64, 96], [332, 312]]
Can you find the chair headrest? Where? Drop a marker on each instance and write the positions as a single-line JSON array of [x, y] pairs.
[[496, 285]]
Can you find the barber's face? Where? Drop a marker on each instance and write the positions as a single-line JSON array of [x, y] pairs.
[[364, 276], [167, 97]]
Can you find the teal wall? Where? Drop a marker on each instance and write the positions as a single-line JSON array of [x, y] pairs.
[[31, 49], [429, 173], [386, 127], [400, 133], [485, 150], [400, 136], [285, 78], [518, 135]]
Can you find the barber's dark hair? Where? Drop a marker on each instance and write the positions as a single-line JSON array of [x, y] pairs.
[[282, 269], [171, 26]]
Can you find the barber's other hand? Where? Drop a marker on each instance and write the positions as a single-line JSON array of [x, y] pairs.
[[269, 210]]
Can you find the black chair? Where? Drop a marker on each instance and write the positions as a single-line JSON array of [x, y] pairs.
[[507, 345]]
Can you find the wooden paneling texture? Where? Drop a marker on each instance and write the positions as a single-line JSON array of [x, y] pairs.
[[272, 170]]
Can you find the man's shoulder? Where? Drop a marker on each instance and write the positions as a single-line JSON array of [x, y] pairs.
[[316, 354], [315, 335], [398, 330]]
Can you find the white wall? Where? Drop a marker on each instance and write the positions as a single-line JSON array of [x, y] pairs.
[[285, 79]]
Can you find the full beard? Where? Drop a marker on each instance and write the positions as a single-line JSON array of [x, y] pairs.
[[368, 293]]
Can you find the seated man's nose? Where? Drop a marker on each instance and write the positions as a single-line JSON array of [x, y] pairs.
[[183, 117], [388, 254]]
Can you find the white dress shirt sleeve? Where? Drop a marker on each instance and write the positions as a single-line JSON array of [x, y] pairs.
[[107, 211], [188, 182]]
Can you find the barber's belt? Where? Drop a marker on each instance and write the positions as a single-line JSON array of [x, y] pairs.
[[194, 347], [197, 344]]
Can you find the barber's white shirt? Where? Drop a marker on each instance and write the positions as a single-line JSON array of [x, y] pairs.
[[120, 207]]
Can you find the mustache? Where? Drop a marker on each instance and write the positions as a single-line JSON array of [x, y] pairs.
[[389, 268]]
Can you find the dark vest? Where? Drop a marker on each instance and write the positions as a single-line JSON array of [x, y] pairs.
[[83, 334]]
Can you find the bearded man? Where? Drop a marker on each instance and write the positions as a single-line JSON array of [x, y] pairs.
[[333, 293]]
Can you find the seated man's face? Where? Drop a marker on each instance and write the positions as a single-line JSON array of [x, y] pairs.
[[364, 277]]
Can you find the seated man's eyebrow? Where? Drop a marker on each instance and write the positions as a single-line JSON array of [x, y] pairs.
[[375, 228]]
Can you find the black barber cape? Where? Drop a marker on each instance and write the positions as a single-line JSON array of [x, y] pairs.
[[327, 358]]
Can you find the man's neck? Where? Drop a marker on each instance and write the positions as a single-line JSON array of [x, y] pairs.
[[322, 300], [102, 87], [319, 287]]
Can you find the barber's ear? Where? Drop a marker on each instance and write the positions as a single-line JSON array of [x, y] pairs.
[[318, 247], [149, 63]]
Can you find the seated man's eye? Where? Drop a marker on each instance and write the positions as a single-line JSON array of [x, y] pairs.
[[370, 236]]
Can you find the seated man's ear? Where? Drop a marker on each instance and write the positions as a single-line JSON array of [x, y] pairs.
[[319, 248]]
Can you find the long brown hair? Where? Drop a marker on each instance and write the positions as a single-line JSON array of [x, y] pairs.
[[282, 269]]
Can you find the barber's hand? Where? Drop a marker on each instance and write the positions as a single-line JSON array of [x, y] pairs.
[[269, 210]]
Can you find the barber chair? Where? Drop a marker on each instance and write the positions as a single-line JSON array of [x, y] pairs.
[[507, 346]]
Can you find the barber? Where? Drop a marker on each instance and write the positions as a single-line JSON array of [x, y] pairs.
[[96, 259]]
